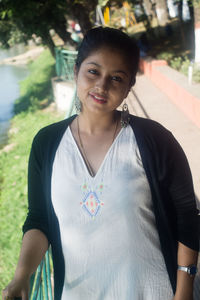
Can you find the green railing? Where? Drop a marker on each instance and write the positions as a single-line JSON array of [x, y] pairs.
[[65, 60]]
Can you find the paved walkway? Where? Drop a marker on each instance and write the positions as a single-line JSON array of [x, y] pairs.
[[146, 100]]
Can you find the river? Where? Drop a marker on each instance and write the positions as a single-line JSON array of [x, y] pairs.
[[10, 76]]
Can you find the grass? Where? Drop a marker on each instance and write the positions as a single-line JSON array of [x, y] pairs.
[[35, 90], [30, 117]]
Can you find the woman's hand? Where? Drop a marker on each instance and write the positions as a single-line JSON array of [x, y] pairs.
[[34, 246], [16, 288]]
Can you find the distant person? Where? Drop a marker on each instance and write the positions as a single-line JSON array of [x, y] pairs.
[[77, 28], [111, 193], [73, 24]]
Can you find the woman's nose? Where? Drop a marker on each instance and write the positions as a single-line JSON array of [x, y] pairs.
[[103, 83]]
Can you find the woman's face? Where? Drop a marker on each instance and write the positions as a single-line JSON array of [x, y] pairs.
[[103, 81]]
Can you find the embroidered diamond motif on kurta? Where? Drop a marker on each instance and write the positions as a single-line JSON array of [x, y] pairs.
[[91, 203]]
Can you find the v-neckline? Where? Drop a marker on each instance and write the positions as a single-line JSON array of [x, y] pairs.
[[104, 159]]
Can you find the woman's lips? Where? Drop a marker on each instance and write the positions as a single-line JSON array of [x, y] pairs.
[[98, 98]]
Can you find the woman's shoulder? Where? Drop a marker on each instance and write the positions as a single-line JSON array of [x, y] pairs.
[[53, 131], [147, 126], [152, 134]]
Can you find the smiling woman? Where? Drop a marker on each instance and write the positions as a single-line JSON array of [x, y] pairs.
[[112, 193], [103, 81]]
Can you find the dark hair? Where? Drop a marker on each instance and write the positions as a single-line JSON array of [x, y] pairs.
[[106, 36]]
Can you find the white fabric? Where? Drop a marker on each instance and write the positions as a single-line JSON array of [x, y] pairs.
[[111, 249]]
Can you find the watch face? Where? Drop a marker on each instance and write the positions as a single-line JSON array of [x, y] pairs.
[[192, 270]]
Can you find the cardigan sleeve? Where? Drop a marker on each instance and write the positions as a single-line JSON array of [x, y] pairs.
[[182, 194], [37, 209], [45, 143]]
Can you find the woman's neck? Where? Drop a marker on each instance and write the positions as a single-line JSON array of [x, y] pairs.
[[95, 124]]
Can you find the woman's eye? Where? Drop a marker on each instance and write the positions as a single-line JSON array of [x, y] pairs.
[[92, 71], [117, 78]]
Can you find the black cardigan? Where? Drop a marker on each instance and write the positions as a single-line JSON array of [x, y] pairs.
[[168, 175]]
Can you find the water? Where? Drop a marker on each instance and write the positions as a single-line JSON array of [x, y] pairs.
[[16, 50], [10, 76]]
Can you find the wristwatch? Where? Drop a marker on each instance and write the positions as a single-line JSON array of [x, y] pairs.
[[191, 270]]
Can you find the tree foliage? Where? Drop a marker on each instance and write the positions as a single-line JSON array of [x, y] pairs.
[[39, 17], [20, 19]]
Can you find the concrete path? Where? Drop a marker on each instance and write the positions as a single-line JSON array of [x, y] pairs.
[[146, 100]]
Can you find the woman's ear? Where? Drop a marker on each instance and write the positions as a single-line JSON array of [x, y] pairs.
[[127, 92], [132, 82]]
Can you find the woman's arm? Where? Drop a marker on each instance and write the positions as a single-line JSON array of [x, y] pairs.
[[186, 257], [34, 246]]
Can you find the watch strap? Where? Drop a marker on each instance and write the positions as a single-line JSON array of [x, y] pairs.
[[181, 268], [191, 270]]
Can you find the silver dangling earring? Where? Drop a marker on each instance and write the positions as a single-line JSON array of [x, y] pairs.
[[125, 115], [78, 105]]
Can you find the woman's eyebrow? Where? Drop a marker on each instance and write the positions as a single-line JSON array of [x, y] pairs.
[[93, 63], [120, 71], [115, 71]]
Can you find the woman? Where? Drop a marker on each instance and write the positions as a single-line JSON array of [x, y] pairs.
[[112, 193]]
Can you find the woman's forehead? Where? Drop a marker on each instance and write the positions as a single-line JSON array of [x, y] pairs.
[[106, 49], [107, 56]]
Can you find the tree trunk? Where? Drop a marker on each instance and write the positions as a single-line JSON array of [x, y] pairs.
[[146, 21], [46, 37], [162, 12], [197, 30], [181, 23], [63, 34], [148, 6], [190, 27], [180, 10], [191, 9], [61, 29]]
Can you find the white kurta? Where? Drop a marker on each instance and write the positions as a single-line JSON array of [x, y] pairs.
[[109, 238]]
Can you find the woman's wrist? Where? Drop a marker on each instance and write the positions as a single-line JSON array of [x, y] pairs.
[[184, 290], [22, 274]]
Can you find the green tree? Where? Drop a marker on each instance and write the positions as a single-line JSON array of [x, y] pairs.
[[39, 17]]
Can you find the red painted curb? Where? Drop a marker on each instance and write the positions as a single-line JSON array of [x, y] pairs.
[[187, 102]]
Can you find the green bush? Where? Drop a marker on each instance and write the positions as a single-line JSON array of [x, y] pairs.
[[196, 74], [184, 67], [176, 63], [166, 56], [37, 86], [180, 63]]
